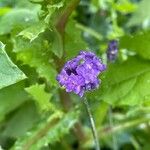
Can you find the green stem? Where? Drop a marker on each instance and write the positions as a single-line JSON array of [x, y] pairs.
[[63, 18], [97, 146], [135, 143], [55, 118], [123, 126], [114, 140], [90, 31], [60, 24]]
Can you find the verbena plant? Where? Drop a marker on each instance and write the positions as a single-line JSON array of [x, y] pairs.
[[37, 38]]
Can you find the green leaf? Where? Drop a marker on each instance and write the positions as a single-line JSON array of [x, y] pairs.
[[115, 93], [33, 31], [48, 132], [53, 11], [19, 4], [12, 97], [36, 1], [140, 91], [41, 97], [126, 83], [9, 73], [4, 10], [138, 42], [142, 14], [101, 109], [129, 69], [17, 18], [73, 39], [36, 54], [125, 6], [27, 116], [57, 44]]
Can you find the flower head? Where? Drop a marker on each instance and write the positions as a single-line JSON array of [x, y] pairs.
[[112, 50], [80, 74]]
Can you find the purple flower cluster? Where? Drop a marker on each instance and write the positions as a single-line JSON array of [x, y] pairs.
[[80, 74], [112, 50]]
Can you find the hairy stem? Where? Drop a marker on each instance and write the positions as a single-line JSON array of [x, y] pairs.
[[67, 105], [60, 24], [63, 18], [65, 98], [95, 136], [111, 122]]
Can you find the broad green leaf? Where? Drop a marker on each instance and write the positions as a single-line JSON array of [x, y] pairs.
[[41, 97], [126, 83], [126, 70], [12, 97], [9, 72], [116, 92], [33, 31], [138, 42], [141, 14], [52, 131], [17, 18], [21, 121], [140, 91]]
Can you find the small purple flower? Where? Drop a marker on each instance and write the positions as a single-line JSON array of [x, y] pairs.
[[80, 74], [112, 50]]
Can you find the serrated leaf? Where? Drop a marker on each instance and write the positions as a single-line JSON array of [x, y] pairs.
[[33, 31], [9, 72], [53, 11], [56, 4], [142, 14], [52, 131], [36, 54], [138, 42], [17, 18], [41, 97]]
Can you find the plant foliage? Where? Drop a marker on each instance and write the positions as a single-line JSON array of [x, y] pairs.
[[37, 37]]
